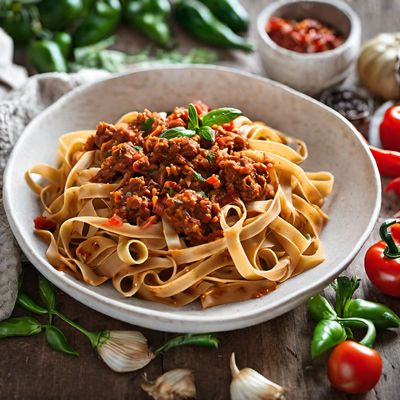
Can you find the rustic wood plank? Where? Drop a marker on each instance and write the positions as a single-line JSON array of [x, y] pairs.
[[279, 348]]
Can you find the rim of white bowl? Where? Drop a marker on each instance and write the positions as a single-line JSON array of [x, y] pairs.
[[269, 10], [151, 318]]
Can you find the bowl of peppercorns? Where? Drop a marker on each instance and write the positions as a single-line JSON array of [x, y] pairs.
[[309, 45]]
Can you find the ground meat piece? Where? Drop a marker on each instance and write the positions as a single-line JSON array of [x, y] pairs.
[[230, 140], [194, 216], [107, 136], [178, 150], [133, 201], [120, 162], [242, 176]]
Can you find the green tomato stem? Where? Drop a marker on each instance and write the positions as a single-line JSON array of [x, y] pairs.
[[392, 250]]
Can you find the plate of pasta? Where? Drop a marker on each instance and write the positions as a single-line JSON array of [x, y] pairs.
[[190, 198]]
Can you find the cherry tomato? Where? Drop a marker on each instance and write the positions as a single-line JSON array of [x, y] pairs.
[[382, 269], [354, 368], [389, 129]]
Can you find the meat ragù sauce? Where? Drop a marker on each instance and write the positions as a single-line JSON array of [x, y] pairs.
[[185, 179]]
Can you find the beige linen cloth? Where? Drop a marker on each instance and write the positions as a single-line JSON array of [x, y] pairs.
[[21, 99]]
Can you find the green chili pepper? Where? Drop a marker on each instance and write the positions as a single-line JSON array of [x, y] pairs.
[[64, 41], [150, 18], [16, 21], [20, 326], [58, 342], [47, 293], [57, 15], [99, 23], [230, 12], [369, 338], [200, 21], [202, 340], [320, 308], [381, 316], [46, 56], [327, 333], [27, 303]]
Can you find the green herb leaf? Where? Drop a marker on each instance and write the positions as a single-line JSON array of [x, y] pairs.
[[345, 288], [203, 193], [20, 326], [198, 176], [58, 342], [27, 303], [138, 148], [220, 116], [320, 308], [327, 334], [47, 293], [148, 124], [177, 132], [207, 133], [201, 340], [193, 117], [210, 156]]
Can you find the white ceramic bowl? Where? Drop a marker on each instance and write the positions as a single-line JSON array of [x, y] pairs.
[[334, 146], [310, 73]]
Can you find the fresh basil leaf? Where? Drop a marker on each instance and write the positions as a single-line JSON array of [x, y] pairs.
[[47, 293], [210, 156], [206, 133], [198, 176], [148, 124], [138, 148], [220, 116], [320, 308], [345, 288], [177, 132], [327, 334], [193, 117]]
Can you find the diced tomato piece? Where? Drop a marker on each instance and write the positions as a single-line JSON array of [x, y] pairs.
[[114, 221], [44, 224], [212, 180], [152, 220]]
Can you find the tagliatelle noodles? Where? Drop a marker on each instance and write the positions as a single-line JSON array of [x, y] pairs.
[[264, 242]]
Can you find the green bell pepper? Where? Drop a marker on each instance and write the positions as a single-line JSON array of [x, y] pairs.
[[99, 23], [150, 18], [16, 21], [57, 15], [46, 56]]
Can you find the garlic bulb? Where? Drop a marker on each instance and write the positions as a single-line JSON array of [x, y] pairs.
[[248, 384], [378, 65], [173, 385], [124, 351]]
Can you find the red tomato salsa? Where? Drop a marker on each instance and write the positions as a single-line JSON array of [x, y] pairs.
[[305, 36]]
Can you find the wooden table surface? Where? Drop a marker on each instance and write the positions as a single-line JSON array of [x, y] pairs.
[[279, 349]]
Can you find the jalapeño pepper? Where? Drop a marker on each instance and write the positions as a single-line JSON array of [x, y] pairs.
[[99, 23], [230, 12], [57, 15], [150, 18], [46, 56], [199, 20]]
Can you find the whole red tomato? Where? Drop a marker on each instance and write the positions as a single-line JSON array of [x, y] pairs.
[[384, 271], [389, 129], [354, 368]]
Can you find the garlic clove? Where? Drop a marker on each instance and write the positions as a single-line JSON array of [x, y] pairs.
[[248, 384], [177, 384], [125, 351]]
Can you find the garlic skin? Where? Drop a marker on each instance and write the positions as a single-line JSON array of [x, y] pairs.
[[248, 384], [125, 351], [177, 384]]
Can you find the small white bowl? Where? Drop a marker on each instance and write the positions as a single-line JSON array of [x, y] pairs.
[[310, 73]]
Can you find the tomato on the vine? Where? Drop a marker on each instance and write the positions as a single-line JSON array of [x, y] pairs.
[[354, 368], [389, 130]]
